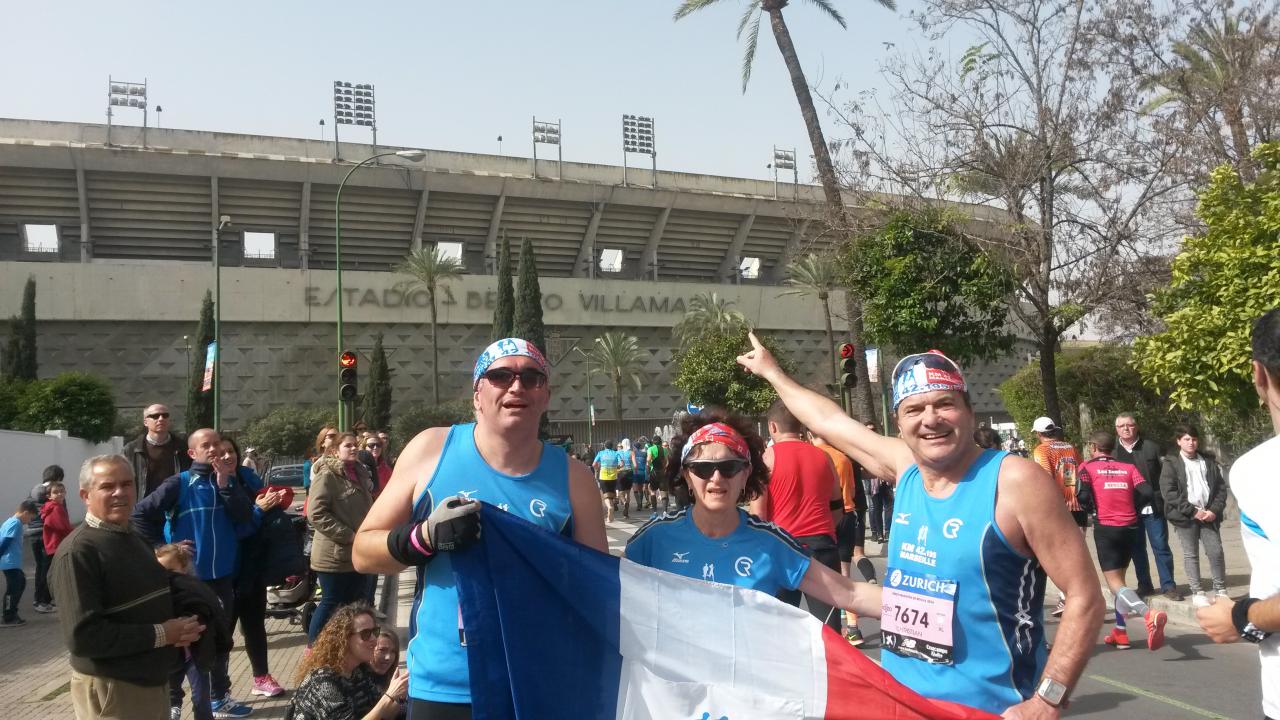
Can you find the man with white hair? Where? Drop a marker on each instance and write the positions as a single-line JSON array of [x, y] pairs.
[[115, 610]]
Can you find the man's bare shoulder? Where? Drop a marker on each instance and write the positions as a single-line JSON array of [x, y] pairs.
[[424, 446]]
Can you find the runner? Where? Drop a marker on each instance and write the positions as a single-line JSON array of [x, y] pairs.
[[656, 462], [966, 559], [1115, 490], [605, 466], [718, 541], [626, 460], [428, 508], [1256, 618], [640, 473], [1060, 459]]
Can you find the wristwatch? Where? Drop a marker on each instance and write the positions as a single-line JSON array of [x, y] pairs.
[[1052, 692]]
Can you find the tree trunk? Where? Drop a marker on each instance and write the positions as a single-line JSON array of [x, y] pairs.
[[617, 398], [1234, 116], [830, 188], [1048, 343], [435, 351]]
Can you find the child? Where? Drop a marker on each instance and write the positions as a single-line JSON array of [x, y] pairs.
[[57, 526], [177, 560], [11, 561]]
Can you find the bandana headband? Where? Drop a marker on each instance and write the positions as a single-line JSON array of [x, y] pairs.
[[507, 347], [925, 372], [717, 433]]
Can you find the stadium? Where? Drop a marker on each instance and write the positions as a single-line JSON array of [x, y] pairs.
[[119, 237]]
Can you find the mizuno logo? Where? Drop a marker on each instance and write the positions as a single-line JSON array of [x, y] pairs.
[[680, 557], [903, 519]]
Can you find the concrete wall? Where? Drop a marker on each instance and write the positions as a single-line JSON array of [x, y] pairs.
[[26, 455]]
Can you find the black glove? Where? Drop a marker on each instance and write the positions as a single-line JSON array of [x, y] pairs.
[[452, 525]]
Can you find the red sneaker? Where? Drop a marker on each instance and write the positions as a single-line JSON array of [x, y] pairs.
[[1119, 639], [1155, 629]]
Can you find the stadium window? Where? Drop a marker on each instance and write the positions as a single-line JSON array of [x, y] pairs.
[[449, 251], [40, 238], [750, 268], [259, 245], [611, 260]]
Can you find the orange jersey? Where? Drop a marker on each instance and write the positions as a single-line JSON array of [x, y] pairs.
[[844, 471], [1060, 460]]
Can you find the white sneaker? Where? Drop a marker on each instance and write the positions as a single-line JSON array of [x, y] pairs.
[[1200, 600], [1222, 593]]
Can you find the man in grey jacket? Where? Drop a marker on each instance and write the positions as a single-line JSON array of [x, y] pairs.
[[157, 454]]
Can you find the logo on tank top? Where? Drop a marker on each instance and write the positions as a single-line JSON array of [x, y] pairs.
[[537, 506], [951, 528], [743, 566], [681, 558], [467, 494], [902, 519], [709, 572], [917, 551]]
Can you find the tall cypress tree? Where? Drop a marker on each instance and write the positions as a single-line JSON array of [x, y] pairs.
[[20, 355], [528, 322], [200, 403], [377, 399], [504, 313]]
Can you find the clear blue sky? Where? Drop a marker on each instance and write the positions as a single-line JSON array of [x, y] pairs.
[[452, 75]]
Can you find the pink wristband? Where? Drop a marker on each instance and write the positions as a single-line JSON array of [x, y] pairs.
[[413, 540]]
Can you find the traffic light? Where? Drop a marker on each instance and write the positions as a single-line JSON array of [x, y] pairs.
[[848, 365], [347, 375]]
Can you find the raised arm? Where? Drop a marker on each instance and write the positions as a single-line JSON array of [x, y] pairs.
[[885, 457]]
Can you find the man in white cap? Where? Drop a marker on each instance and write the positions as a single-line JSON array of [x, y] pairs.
[[1060, 459], [430, 508], [974, 533]]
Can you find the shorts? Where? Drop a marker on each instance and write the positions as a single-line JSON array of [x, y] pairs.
[[1081, 517], [1115, 545], [851, 533], [624, 481], [609, 487]]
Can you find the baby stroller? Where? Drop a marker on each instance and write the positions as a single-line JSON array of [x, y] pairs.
[[294, 597]]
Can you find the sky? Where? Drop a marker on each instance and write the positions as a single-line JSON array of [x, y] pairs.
[[451, 76]]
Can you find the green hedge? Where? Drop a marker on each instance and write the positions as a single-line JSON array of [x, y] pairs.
[[80, 403], [288, 431]]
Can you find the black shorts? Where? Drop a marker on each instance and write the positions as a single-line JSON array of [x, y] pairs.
[[851, 533], [609, 487], [1115, 545], [624, 481], [1081, 517]]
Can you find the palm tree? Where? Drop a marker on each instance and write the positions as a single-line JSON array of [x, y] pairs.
[[750, 25], [428, 270], [816, 275], [1215, 65], [707, 313], [618, 356]]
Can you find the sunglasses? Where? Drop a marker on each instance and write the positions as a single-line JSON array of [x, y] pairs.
[[373, 445], [705, 469], [368, 634], [502, 378], [158, 416]]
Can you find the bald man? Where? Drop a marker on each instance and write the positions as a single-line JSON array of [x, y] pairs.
[[157, 453], [203, 505]]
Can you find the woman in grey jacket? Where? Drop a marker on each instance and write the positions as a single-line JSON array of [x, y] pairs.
[[339, 498], [1195, 495]]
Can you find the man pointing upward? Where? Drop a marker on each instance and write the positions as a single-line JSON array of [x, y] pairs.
[[974, 533]]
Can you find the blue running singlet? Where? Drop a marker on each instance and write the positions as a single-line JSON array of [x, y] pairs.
[[437, 655], [963, 611]]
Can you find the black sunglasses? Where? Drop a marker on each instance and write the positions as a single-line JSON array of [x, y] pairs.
[[157, 416], [368, 634], [705, 469], [502, 378]]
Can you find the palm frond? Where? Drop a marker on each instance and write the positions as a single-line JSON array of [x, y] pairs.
[[810, 275], [689, 7], [749, 52], [427, 268], [826, 7]]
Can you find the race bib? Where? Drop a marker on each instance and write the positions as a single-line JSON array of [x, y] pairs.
[[916, 616]]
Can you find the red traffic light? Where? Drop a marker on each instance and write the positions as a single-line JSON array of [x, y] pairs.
[[347, 359], [847, 350]]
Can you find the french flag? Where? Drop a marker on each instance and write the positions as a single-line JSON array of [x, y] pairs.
[[558, 630]]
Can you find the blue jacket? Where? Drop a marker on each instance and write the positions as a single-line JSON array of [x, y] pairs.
[[191, 506]]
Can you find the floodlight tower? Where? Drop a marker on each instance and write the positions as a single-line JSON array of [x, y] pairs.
[[547, 133], [129, 95], [637, 137], [353, 105], [785, 160]]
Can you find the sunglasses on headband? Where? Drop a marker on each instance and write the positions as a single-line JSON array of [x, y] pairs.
[[706, 469], [502, 378]]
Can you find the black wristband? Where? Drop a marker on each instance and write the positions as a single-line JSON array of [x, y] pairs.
[[400, 546], [1240, 619]]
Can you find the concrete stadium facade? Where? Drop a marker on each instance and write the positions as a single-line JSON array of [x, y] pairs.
[[135, 226]]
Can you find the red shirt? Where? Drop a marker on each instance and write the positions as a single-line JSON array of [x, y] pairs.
[[1112, 483], [57, 525], [800, 490]]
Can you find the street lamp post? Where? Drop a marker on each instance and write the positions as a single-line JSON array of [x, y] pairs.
[[410, 155], [591, 443]]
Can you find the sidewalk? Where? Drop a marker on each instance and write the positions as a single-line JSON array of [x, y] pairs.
[[34, 671]]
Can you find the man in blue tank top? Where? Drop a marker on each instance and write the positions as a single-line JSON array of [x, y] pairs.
[[430, 505], [974, 532]]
